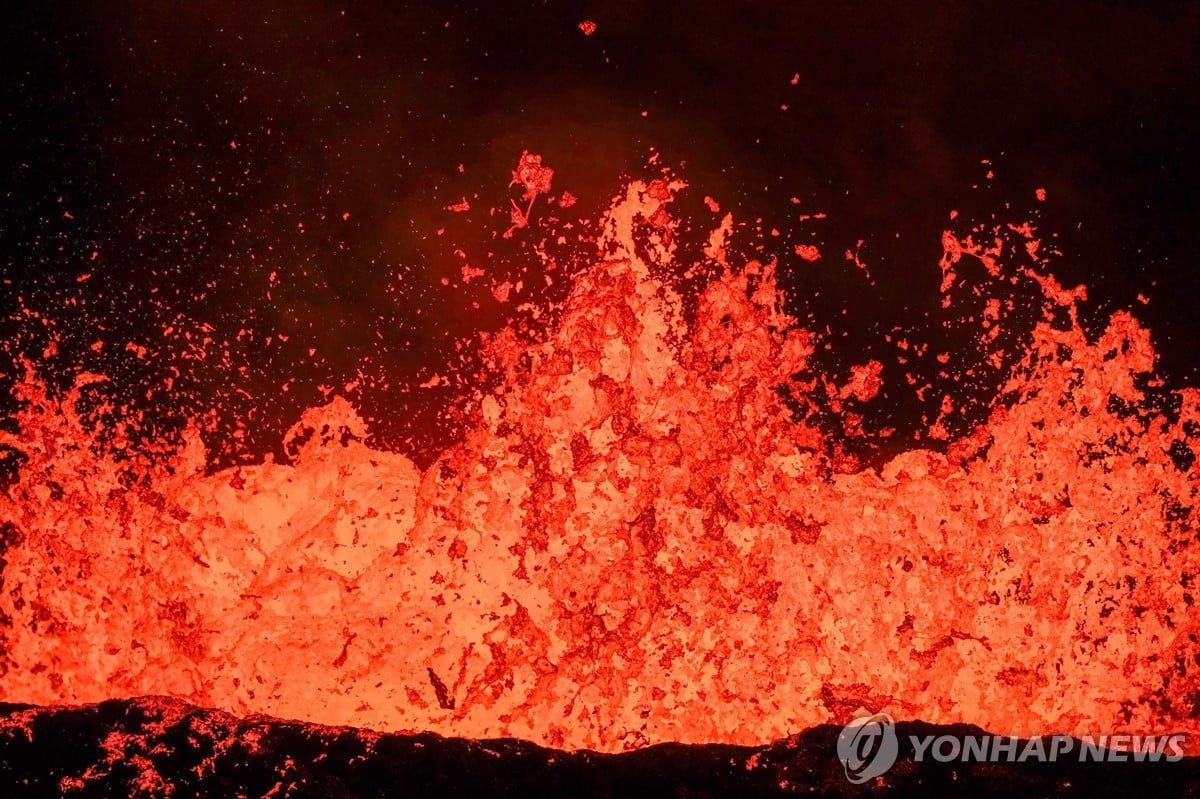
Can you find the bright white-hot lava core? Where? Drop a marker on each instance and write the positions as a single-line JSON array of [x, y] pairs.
[[639, 538]]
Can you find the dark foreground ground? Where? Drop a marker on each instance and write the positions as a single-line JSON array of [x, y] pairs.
[[163, 747]]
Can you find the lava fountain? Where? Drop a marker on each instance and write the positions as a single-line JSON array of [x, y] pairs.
[[642, 535]]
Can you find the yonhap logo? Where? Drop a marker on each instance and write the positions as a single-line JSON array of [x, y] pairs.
[[867, 747]]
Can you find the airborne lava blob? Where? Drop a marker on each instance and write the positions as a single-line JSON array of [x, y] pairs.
[[641, 537]]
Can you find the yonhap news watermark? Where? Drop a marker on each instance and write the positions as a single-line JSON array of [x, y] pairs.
[[868, 746]]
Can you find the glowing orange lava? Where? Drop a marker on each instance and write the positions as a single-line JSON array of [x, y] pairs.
[[637, 541]]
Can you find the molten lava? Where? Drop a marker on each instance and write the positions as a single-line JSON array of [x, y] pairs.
[[640, 538]]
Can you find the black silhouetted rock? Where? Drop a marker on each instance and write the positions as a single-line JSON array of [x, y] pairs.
[[155, 746]]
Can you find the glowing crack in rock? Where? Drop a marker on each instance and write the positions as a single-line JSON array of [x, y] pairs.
[[640, 538]]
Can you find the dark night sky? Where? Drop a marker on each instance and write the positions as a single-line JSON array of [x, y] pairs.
[[128, 112]]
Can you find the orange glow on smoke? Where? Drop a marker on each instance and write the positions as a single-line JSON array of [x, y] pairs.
[[637, 540]]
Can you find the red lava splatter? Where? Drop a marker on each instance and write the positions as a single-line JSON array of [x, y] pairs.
[[530, 174], [501, 291], [808, 252], [854, 256], [535, 179], [588, 27], [642, 536], [864, 382]]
